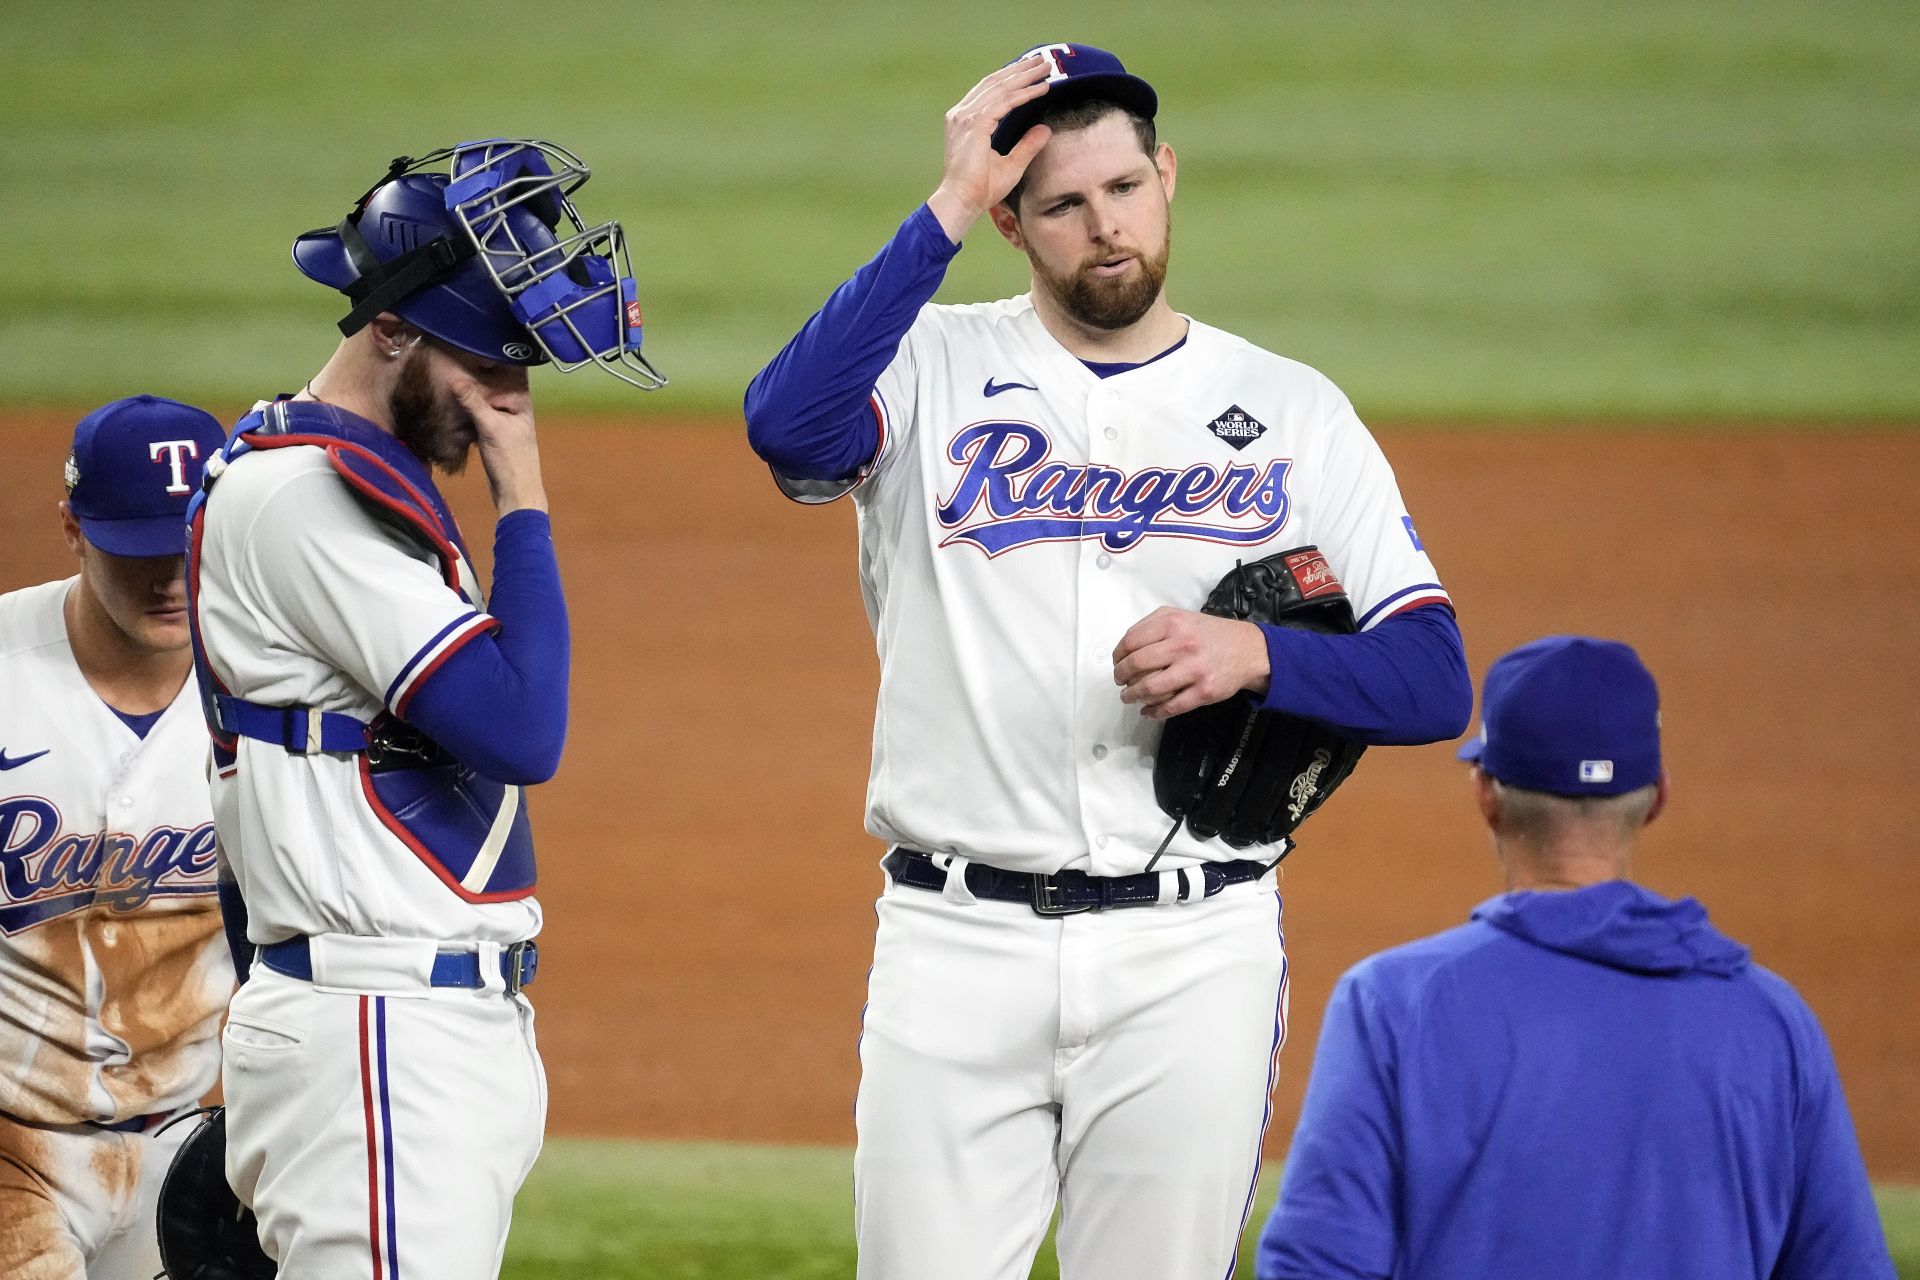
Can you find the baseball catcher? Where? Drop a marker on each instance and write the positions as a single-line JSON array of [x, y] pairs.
[[376, 714], [1233, 770]]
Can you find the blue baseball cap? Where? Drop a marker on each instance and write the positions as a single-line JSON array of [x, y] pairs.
[[134, 466], [1076, 71], [1569, 715]]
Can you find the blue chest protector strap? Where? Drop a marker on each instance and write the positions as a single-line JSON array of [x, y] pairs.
[[301, 730]]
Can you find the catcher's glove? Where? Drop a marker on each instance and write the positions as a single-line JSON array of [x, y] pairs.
[[205, 1232], [1246, 775]]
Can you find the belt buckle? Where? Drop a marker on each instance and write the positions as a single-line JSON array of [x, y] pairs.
[[522, 962], [1045, 898]]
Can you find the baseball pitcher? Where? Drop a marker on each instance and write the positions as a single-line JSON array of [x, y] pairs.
[[1070, 1002]]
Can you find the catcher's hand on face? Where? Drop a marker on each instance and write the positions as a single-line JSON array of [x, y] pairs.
[[502, 413], [974, 177], [1174, 660]]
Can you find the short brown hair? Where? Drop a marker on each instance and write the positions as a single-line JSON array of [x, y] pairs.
[[1083, 113]]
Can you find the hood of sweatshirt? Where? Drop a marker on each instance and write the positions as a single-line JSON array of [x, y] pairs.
[[1618, 924]]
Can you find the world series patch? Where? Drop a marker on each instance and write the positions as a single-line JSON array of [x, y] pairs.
[[1237, 427]]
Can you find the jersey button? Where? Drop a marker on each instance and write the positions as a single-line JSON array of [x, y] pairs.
[[1102, 561], [1099, 751], [126, 802], [1112, 433], [1100, 842]]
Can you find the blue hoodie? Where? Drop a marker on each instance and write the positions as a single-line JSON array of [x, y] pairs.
[[1587, 1085]]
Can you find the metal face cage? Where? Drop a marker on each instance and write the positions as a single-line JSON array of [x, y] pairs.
[[571, 284]]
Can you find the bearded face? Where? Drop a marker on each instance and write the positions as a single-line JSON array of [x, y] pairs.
[[1109, 289], [426, 417], [1094, 217]]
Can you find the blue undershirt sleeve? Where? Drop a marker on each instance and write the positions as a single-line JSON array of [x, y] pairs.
[[1336, 1215], [1402, 683], [807, 412], [499, 704]]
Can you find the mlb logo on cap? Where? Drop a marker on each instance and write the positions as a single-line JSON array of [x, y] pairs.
[[1571, 716], [135, 465]]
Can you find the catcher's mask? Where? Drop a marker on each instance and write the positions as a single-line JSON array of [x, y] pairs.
[[489, 256], [205, 1232]]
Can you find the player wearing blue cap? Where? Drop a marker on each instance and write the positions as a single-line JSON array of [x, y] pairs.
[[1069, 1004], [375, 716], [1588, 1081], [112, 971]]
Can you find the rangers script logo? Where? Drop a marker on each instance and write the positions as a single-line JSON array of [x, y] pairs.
[[45, 875], [1011, 493]]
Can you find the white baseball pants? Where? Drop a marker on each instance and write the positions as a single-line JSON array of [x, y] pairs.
[[1119, 1062], [380, 1136]]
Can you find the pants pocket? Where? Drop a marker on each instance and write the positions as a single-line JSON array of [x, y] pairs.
[[259, 1036]]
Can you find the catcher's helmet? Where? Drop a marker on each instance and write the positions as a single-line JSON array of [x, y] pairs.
[[490, 257]]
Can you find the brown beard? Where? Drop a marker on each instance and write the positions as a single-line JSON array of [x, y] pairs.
[[1110, 304], [436, 429]]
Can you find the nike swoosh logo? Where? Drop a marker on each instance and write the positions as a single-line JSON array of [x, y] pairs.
[[995, 388], [17, 761]]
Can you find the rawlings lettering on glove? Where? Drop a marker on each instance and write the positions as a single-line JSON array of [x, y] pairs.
[[1233, 770]]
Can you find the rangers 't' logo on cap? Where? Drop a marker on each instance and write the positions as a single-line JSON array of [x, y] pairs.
[[1237, 427]]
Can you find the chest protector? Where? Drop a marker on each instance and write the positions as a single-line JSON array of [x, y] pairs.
[[469, 830]]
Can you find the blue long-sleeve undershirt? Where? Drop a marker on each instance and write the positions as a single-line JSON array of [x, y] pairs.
[[808, 417], [1402, 683], [807, 411], [499, 704]]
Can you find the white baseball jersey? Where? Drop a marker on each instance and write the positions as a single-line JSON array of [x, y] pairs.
[[113, 970], [1023, 513], [304, 599]]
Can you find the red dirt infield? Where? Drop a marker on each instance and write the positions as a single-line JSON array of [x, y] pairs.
[[709, 888]]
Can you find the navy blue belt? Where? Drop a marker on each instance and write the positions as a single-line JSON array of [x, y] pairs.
[[518, 964], [138, 1124], [1066, 893]]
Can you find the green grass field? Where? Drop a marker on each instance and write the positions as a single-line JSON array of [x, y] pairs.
[[1460, 209], [678, 1211]]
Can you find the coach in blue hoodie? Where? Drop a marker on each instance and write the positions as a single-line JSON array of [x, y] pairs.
[[1588, 1081]]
